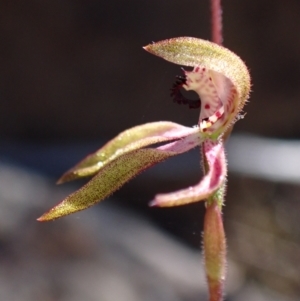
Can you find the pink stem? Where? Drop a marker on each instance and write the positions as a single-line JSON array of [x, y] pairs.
[[216, 14], [214, 243]]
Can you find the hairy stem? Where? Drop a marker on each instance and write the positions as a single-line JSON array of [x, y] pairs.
[[216, 20], [217, 33], [214, 243]]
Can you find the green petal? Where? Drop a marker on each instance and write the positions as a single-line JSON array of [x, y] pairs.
[[225, 73], [127, 141], [193, 52], [109, 179], [116, 173]]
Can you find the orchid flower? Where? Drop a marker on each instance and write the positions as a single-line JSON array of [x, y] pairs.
[[221, 80]]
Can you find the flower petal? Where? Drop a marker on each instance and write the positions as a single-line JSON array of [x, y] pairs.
[[188, 51], [116, 173], [212, 181], [127, 141], [220, 78], [220, 103]]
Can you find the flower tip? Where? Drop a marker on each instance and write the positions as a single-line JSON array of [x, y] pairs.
[[41, 219], [49, 216], [66, 177], [147, 48], [60, 181], [151, 48]]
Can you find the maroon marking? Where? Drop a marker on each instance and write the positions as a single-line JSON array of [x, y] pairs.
[[217, 172], [197, 69], [218, 114], [179, 98], [203, 69], [207, 106]]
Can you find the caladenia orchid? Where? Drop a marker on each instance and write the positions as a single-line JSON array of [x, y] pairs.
[[222, 81]]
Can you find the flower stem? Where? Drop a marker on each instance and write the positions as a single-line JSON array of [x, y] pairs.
[[216, 19], [214, 243]]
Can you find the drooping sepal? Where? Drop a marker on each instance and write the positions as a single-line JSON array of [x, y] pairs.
[[212, 181]]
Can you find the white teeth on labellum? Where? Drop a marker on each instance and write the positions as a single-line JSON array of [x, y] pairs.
[[210, 121]]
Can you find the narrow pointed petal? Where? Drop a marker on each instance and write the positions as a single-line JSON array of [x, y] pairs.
[[115, 174], [127, 141], [212, 181], [111, 177]]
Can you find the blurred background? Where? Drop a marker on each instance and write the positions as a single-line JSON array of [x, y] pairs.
[[73, 74]]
